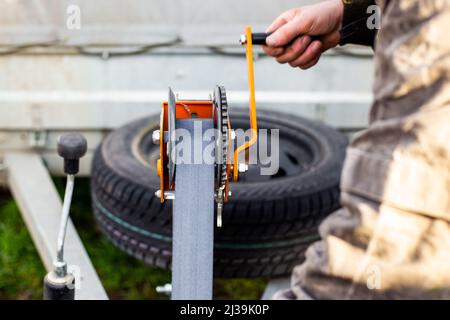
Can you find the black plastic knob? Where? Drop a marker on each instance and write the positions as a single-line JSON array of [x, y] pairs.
[[71, 147]]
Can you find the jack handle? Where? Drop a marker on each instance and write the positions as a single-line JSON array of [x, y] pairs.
[[59, 284]]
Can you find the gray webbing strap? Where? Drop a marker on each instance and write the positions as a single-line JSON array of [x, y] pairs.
[[193, 224]]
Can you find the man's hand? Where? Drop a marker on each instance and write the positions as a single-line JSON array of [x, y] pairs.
[[300, 35]]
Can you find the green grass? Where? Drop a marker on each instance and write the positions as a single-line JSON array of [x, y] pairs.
[[21, 271]]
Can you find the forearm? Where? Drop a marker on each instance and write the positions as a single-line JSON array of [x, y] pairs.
[[354, 25]]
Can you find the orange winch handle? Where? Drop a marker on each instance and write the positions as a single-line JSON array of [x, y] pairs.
[[252, 104]]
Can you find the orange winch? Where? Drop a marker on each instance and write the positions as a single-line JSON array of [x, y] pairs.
[[216, 109]]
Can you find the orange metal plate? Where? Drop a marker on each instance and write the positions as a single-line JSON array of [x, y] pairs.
[[197, 109]]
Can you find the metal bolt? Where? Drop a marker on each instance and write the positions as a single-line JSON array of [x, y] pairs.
[[60, 268], [156, 136], [243, 39], [168, 195], [38, 139], [165, 289], [233, 135], [243, 167], [219, 214]]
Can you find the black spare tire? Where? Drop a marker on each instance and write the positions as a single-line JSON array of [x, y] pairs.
[[269, 221]]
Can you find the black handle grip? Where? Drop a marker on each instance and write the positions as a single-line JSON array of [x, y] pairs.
[[59, 288], [71, 147], [259, 38]]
